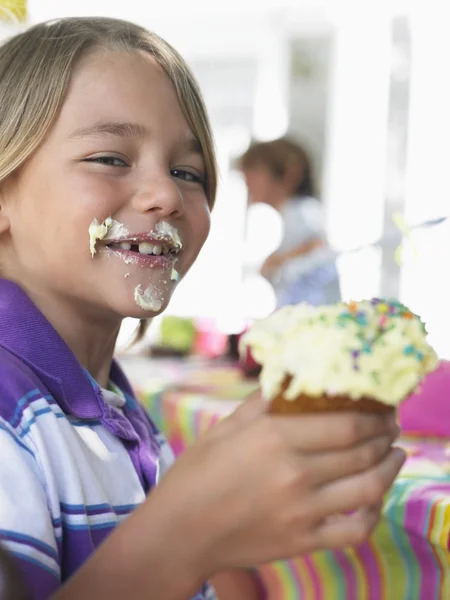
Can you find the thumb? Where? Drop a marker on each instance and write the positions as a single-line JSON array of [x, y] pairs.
[[253, 407]]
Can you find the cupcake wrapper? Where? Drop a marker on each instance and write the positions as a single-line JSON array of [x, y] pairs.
[[325, 403]]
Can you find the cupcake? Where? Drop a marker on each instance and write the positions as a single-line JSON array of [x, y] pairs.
[[366, 356]]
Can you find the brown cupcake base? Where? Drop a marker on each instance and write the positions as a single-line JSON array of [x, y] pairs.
[[313, 404]]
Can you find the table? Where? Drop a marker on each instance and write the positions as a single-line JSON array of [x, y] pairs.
[[408, 556]]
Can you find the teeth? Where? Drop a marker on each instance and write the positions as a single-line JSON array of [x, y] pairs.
[[165, 250], [145, 248], [125, 245]]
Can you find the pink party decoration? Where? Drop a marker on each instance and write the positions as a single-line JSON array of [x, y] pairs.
[[427, 411]]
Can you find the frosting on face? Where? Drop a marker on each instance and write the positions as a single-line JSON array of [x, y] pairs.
[[149, 299], [373, 348], [108, 229], [166, 231]]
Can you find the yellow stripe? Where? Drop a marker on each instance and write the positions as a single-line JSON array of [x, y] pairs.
[[360, 575], [328, 571], [441, 525]]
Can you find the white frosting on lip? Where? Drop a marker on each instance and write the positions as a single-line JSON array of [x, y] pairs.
[[109, 229], [167, 232], [373, 348], [150, 299]]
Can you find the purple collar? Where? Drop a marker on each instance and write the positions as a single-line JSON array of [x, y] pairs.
[[26, 333]]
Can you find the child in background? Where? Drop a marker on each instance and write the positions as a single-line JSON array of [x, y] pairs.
[[107, 179], [302, 269]]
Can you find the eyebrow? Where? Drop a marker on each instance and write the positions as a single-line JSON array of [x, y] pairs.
[[190, 144], [112, 128], [129, 129]]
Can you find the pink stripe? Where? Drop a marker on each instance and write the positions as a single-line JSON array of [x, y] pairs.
[[315, 580], [374, 577], [349, 574], [296, 579]]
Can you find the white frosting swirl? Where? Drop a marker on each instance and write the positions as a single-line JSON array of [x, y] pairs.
[[373, 348]]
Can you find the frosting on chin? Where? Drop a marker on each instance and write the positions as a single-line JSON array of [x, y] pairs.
[[373, 348]]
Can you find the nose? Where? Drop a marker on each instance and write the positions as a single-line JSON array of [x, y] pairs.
[[161, 196]]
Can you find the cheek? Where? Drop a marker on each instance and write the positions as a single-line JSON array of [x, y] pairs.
[[96, 197], [200, 225]]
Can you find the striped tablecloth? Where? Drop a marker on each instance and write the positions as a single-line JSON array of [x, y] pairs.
[[407, 558]]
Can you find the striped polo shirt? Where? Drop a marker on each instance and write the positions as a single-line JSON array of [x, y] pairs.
[[72, 465]]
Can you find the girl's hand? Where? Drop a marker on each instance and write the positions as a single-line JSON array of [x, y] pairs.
[[261, 487], [255, 488]]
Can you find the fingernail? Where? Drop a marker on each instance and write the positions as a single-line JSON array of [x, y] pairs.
[[400, 453]]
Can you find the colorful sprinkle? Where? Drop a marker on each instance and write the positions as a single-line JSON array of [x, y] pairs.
[[383, 320], [388, 311]]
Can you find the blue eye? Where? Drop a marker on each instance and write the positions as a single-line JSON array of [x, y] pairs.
[[108, 161], [187, 176]]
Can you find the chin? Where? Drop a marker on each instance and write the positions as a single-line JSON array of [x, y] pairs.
[[140, 299], [142, 314], [145, 306]]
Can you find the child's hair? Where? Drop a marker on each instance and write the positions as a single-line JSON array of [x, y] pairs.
[[277, 156], [35, 71], [36, 68]]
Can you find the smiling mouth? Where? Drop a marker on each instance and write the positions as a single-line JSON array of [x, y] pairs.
[[146, 248]]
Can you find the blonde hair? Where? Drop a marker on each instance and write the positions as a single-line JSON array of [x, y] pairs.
[[36, 67], [35, 71]]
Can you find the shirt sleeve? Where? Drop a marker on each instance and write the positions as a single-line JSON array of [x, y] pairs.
[[313, 218], [302, 222], [26, 528]]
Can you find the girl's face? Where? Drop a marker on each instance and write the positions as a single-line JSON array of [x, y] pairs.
[[119, 148]]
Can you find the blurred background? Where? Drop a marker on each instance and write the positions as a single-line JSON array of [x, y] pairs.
[[359, 84]]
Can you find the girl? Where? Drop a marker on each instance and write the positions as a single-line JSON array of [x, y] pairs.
[[279, 173], [107, 178]]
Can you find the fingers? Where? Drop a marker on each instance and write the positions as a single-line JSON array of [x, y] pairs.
[[331, 466], [253, 407], [351, 530], [332, 431], [364, 489], [248, 412]]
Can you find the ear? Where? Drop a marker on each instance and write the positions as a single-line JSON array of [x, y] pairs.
[[293, 175], [5, 222]]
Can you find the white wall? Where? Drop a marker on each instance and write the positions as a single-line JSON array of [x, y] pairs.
[[355, 138], [425, 278]]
